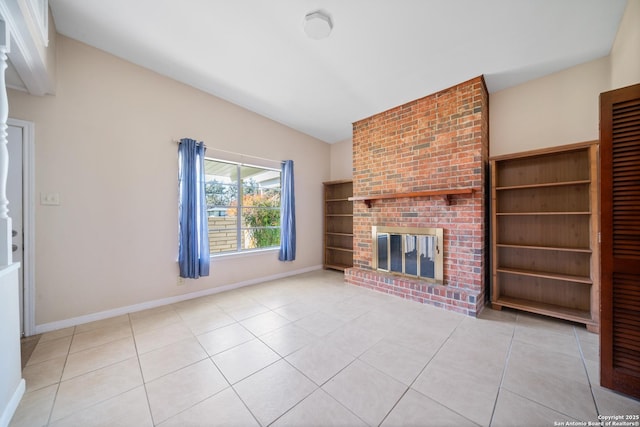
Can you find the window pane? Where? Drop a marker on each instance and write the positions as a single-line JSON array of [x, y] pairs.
[[220, 194], [262, 227], [410, 255], [427, 256], [261, 197], [260, 187], [221, 188], [223, 234], [382, 252], [256, 238], [396, 252], [261, 217]]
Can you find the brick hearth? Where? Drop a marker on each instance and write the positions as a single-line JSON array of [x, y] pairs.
[[434, 143]]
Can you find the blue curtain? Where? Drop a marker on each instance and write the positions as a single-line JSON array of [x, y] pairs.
[[287, 214], [193, 252]]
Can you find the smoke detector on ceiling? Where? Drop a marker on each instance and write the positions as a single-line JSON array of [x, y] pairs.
[[318, 25]]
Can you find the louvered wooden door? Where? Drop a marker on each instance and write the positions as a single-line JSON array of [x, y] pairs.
[[620, 247]]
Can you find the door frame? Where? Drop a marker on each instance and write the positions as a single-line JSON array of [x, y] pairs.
[[28, 221]]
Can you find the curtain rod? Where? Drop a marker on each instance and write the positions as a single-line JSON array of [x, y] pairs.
[[240, 154], [177, 141]]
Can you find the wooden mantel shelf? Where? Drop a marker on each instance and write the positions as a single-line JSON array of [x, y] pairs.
[[445, 194]]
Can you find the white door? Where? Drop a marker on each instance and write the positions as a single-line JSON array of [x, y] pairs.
[[14, 195]]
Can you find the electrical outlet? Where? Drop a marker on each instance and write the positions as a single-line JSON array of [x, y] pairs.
[[181, 281], [50, 199]]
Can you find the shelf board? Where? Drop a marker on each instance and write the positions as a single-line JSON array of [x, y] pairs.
[[571, 314], [335, 248], [445, 194], [334, 266], [545, 275], [546, 184], [338, 181], [345, 199], [541, 213], [343, 215], [335, 233], [543, 248]]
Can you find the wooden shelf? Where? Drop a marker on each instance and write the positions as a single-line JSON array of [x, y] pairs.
[[545, 252], [335, 248], [338, 225], [574, 315], [340, 267], [540, 213], [543, 248], [333, 233], [445, 194], [545, 275], [543, 185]]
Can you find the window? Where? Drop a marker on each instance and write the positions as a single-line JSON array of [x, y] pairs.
[[243, 206]]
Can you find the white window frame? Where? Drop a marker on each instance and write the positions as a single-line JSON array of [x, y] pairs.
[[239, 251]]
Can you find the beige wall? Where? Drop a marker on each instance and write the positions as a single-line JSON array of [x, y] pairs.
[[558, 109], [105, 143], [625, 56], [342, 160], [563, 108]]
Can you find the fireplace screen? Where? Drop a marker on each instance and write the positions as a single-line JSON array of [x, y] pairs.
[[409, 251]]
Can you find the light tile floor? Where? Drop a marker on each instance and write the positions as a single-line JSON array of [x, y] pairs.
[[311, 351]]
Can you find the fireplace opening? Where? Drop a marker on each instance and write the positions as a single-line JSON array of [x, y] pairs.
[[409, 251]]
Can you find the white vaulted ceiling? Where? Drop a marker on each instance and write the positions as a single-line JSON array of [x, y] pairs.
[[380, 54]]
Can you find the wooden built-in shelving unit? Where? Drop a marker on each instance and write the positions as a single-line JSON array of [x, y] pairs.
[[338, 225], [544, 226]]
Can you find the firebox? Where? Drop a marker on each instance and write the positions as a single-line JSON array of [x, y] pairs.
[[409, 251]]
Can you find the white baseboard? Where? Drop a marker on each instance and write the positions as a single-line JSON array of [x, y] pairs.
[[12, 405], [74, 321]]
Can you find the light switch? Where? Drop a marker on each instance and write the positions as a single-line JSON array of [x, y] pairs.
[[50, 199]]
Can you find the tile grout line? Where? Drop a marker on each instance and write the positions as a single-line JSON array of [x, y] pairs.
[[237, 322], [244, 403], [318, 387], [55, 398], [504, 370], [410, 387], [144, 383], [169, 373], [528, 398], [60, 381], [586, 371], [231, 386], [126, 391], [210, 358]]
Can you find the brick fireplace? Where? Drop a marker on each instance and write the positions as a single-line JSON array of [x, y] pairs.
[[423, 164]]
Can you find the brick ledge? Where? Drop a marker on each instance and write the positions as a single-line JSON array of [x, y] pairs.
[[465, 301]]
